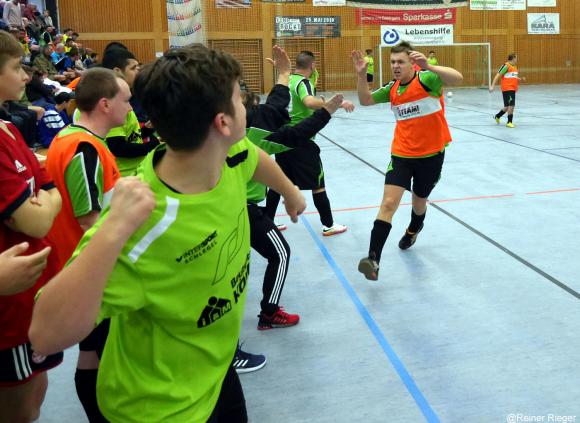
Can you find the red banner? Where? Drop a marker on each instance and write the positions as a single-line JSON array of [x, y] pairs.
[[405, 17]]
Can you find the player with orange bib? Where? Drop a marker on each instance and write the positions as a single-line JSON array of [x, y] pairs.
[[510, 81], [418, 148]]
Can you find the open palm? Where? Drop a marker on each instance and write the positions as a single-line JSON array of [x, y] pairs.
[[359, 62]]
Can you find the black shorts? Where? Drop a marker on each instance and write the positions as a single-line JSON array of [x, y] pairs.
[[509, 98], [20, 364], [97, 339], [424, 173], [303, 166], [370, 77]]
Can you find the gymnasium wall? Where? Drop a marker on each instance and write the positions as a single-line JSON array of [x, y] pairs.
[[248, 33]]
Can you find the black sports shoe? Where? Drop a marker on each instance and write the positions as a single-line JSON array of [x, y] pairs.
[[370, 268], [245, 362], [409, 239]]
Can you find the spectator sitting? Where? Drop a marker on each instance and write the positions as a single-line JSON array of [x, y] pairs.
[[70, 62], [47, 36], [58, 55], [69, 45], [55, 118], [38, 93], [43, 62]]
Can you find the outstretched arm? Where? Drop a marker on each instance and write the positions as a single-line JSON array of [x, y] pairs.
[[360, 66]]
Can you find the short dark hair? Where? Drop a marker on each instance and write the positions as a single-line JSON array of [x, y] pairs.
[[368, 51], [431, 52], [402, 47], [69, 39], [184, 90], [304, 59], [62, 97], [512, 56], [73, 52], [116, 57], [115, 44], [9, 49], [95, 84]]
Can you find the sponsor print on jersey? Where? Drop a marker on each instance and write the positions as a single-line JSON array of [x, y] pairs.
[[414, 109], [199, 250]]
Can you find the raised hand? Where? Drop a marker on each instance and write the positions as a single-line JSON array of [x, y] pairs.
[[280, 60], [359, 62], [348, 106], [334, 103], [419, 59]]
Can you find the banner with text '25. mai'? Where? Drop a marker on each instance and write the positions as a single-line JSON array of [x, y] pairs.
[[407, 4]]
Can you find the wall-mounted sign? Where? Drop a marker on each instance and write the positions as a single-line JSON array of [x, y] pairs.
[[307, 26], [407, 4], [498, 5], [541, 3], [417, 35], [405, 17], [543, 23]]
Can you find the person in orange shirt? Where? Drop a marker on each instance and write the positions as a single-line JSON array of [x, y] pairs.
[[85, 172], [418, 148], [510, 81]]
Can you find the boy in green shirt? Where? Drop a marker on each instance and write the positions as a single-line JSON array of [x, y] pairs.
[[169, 264], [370, 68]]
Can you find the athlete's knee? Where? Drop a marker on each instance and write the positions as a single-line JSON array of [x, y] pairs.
[[389, 205]]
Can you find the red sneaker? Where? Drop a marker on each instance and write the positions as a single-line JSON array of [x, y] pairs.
[[280, 319]]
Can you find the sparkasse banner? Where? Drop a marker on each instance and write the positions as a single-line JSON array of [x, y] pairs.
[[543, 23], [417, 35], [405, 17]]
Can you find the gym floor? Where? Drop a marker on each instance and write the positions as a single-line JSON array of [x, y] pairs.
[[477, 322]]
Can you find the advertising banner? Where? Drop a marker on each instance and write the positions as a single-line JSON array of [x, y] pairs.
[[328, 2], [543, 23], [498, 5], [417, 35], [307, 26], [407, 4], [405, 17], [541, 3]]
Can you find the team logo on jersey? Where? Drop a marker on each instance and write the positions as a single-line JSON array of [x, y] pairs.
[[230, 247], [199, 250], [19, 166], [38, 358], [216, 309]]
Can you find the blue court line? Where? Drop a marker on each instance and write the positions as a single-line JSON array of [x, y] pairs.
[[390, 353]]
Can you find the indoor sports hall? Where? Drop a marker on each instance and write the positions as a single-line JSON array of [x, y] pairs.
[[479, 321]]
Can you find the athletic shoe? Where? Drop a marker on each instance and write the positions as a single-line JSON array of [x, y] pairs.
[[497, 120], [370, 268], [281, 227], [409, 239], [245, 362], [333, 230], [280, 319], [510, 125]]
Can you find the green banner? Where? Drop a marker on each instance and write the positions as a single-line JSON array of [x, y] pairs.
[[407, 4]]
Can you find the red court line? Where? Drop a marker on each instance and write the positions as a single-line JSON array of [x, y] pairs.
[[449, 200], [483, 197], [553, 191]]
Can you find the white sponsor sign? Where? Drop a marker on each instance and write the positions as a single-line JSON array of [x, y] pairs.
[[328, 2], [497, 4], [543, 23], [541, 3], [418, 35]]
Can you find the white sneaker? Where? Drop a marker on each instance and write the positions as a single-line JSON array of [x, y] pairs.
[[333, 230]]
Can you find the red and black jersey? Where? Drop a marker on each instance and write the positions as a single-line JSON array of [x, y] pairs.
[[21, 175]]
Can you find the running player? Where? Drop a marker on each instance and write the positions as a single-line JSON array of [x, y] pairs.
[[416, 160]]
